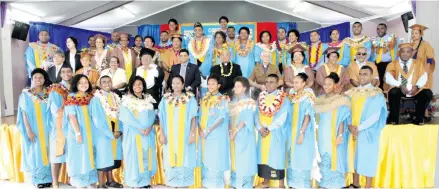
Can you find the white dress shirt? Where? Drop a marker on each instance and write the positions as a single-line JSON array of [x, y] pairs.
[[397, 83], [57, 69], [117, 77], [72, 62], [151, 74]]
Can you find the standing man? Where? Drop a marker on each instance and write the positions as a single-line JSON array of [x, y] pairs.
[[384, 51], [231, 40], [198, 50], [127, 58], [358, 40], [281, 42], [188, 71], [40, 54], [343, 49], [369, 114], [271, 118], [164, 41], [315, 51], [353, 70], [227, 71], [407, 77], [115, 41]]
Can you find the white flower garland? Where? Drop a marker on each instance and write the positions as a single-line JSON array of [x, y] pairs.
[[183, 99], [34, 97], [244, 104], [112, 112], [272, 108], [306, 94], [264, 48], [135, 104]]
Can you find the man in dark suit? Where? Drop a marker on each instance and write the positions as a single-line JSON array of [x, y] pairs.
[[227, 71], [55, 71], [188, 71]]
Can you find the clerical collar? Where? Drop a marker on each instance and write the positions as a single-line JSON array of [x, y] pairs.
[[369, 85], [226, 63]]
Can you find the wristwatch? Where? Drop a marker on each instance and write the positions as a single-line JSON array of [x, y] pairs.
[[78, 134]]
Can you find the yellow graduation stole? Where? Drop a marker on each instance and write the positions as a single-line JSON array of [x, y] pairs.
[[116, 126], [88, 134], [295, 121], [266, 120], [176, 159], [358, 101], [334, 140], [41, 133], [140, 151], [204, 116], [128, 63]]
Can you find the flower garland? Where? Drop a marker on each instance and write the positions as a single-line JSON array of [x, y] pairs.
[[78, 100], [319, 47], [271, 48], [336, 44], [207, 102], [183, 99], [202, 50], [236, 107], [35, 97], [300, 96], [218, 51], [112, 112], [356, 42], [136, 104], [280, 46], [60, 89], [247, 48], [222, 70], [386, 42], [270, 109]]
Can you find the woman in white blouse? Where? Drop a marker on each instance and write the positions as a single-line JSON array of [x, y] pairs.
[[152, 74], [101, 55], [117, 74]]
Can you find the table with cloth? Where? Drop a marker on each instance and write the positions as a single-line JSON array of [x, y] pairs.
[[407, 158]]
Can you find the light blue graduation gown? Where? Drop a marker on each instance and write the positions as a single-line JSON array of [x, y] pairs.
[[134, 174], [215, 152], [179, 176], [207, 64], [345, 56], [333, 179], [119, 155], [36, 171], [321, 58], [367, 151], [81, 165], [301, 159], [247, 63], [245, 147], [29, 56], [54, 104], [277, 136]]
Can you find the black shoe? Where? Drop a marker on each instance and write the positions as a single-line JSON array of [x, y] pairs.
[[149, 186], [388, 122], [427, 119], [419, 122], [351, 186], [114, 185], [48, 185]]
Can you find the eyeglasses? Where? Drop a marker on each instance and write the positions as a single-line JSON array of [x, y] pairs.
[[363, 54]]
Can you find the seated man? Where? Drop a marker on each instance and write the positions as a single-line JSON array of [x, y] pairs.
[[227, 71], [189, 72], [407, 77], [355, 66]]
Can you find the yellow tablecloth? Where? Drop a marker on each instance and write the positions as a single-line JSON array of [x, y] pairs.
[[407, 158]]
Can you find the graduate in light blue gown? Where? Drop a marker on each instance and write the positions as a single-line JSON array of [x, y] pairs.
[[198, 48], [244, 49], [33, 125], [242, 135], [40, 54], [218, 46], [358, 40], [315, 50], [293, 40], [58, 122], [138, 143], [301, 134], [214, 120], [265, 46], [177, 114], [369, 114], [231, 41], [271, 119], [110, 102], [343, 49], [334, 114], [86, 134]]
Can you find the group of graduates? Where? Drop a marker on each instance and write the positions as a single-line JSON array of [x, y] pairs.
[[224, 104]]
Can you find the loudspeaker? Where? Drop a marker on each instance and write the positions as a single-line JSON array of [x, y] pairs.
[[20, 31], [405, 20]]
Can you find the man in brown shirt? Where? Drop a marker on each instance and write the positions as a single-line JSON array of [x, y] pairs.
[[261, 72]]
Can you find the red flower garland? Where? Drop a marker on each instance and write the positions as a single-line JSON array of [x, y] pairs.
[[78, 101], [60, 89], [319, 46]]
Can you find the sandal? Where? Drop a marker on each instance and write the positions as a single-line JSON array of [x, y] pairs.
[[113, 185]]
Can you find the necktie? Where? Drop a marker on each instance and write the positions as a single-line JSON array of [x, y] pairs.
[[405, 69]]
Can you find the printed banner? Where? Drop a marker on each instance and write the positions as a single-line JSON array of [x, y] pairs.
[[210, 28]]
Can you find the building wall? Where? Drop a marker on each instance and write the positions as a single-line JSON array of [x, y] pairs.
[[210, 11]]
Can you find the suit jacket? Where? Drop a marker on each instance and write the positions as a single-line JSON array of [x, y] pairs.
[[192, 78], [52, 74], [77, 62]]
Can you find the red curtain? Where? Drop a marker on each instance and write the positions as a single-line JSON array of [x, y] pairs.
[[266, 26]]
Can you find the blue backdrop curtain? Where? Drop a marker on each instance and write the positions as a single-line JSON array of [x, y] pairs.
[[344, 29], [58, 34], [287, 25], [150, 30]]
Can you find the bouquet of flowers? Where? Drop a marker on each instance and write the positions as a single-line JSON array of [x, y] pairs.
[[434, 106]]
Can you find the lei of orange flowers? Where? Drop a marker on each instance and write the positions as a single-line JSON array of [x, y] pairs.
[[270, 110], [78, 100], [60, 89], [243, 52]]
